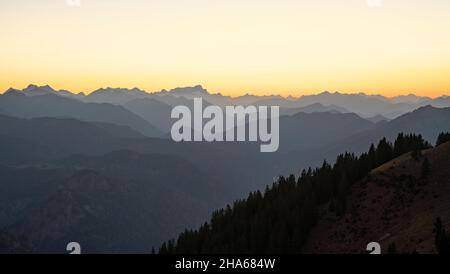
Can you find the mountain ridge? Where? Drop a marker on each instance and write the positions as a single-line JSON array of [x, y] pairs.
[[407, 205], [365, 105], [51, 105]]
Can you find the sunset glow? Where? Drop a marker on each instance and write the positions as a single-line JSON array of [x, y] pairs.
[[287, 47]]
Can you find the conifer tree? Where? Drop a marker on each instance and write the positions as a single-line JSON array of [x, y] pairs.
[[279, 220], [443, 138]]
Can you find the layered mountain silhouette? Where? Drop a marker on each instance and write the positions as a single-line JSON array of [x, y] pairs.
[[100, 168], [155, 112], [367, 106], [311, 130], [427, 121], [313, 108], [119, 202], [52, 105], [50, 138]]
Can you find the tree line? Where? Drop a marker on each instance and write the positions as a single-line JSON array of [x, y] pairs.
[[279, 219]]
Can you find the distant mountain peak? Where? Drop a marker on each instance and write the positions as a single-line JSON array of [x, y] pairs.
[[111, 90], [34, 88], [426, 108], [31, 86], [47, 87], [189, 90], [11, 90]]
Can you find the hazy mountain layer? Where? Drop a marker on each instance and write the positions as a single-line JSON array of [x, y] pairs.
[[51, 105], [361, 104]]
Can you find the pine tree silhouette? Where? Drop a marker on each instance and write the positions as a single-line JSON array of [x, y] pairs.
[[280, 219]]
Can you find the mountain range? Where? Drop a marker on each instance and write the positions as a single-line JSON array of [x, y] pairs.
[[100, 167], [366, 106], [20, 104]]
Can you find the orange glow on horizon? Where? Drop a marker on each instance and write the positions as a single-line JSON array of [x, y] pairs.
[[265, 47]]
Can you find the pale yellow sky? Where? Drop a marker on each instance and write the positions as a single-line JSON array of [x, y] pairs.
[[287, 47]]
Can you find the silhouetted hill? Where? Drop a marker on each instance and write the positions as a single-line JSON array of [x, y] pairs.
[[285, 218], [51, 105], [189, 91], [115, 95], [311, 130], [42, 140], [317, 107], [377, 119], [410, 99], [49, 138], [120, 202], [366, 105], [395, 205], [155, 112], [427, 121], [443, 101], [361, 104], [33, 90], [249, 99], [33, 171]]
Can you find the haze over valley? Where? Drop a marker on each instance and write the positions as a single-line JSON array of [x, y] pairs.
[[77, 166], [224, 127]]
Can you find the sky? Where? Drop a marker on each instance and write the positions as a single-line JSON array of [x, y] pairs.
[[286, 47]]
